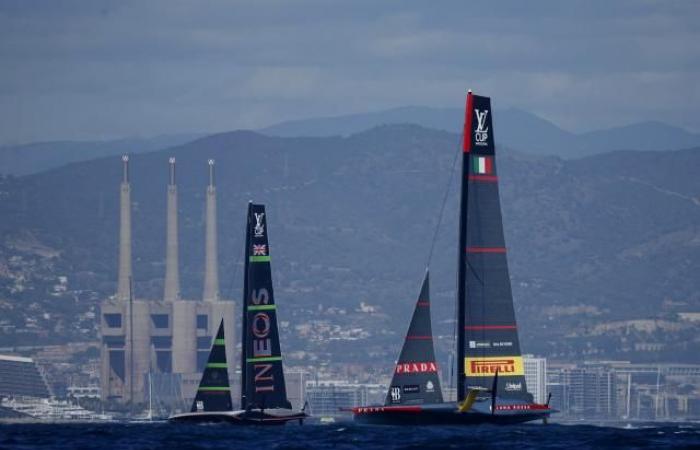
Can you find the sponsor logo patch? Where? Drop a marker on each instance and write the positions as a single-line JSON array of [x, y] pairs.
[[395, 394], [416, 367], [487, 366], [520, 407], [411, 389], [486, 344], [259, 227], [510, 387], [429, 386], [481, 134]]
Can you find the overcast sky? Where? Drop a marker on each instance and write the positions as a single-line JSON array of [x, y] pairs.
[[103, 69]]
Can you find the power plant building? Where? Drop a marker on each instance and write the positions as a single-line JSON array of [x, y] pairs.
[[167, 338]]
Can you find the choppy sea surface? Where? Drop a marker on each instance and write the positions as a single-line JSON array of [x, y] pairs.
[[342, 436]]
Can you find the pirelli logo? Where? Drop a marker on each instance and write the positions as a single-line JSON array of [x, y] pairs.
[[487, 366]]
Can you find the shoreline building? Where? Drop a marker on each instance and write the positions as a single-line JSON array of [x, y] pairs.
[[25, 394], [536, 377], [21, 377], [168, 338], [584, 391], [334, 398]]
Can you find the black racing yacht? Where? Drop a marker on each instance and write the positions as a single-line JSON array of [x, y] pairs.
[[263, 392], [490, 376]]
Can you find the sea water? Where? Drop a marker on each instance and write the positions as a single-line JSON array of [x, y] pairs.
[[164, 435]]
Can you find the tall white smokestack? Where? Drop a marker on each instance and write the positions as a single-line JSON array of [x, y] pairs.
[[211, 258], [172, 273], [124, 276]]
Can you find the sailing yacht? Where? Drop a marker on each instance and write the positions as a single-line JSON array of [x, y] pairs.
[[491, 384], [263, 392]]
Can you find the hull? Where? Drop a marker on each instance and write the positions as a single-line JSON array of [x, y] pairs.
[[240, 417], [448, 414]]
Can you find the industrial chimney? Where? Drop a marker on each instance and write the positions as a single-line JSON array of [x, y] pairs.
[[211, 259], [172, 273], [124, 277]]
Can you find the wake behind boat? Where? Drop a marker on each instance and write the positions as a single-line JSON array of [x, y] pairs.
[[491, 384], [263, 392]]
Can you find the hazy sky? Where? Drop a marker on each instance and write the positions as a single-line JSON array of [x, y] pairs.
[[101, 69]]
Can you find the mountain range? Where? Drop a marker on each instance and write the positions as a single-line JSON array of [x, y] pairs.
[[517, 129], [603, 250], [39, 156]]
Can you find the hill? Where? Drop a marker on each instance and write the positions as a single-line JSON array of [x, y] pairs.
[[603, 250]]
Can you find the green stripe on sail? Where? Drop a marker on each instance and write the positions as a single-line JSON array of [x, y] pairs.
[[261, 307], [219, 342], [259, 259], [264, 359], [217, 366], [214, 388]]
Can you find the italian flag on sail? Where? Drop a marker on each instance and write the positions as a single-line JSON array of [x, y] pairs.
[[482, 165]]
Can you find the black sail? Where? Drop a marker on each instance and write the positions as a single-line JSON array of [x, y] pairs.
[[416, 379], [214, 392], [263, 377], [488, 332]]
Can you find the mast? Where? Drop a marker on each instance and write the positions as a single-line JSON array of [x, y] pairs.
[[462, 264], [150, 397], [244, 324], [629, 392]]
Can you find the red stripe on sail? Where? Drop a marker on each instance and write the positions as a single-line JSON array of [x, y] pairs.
[[483, 178], [419, 338], [486, 249], [467, 133], [490, 327], [423, 304]]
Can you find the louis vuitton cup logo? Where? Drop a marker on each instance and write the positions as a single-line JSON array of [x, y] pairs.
[[481, 134], [259, 227]]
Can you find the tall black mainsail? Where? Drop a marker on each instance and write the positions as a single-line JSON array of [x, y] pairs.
[[487, 336], [214, 392], [262, 378], [416, 379]]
